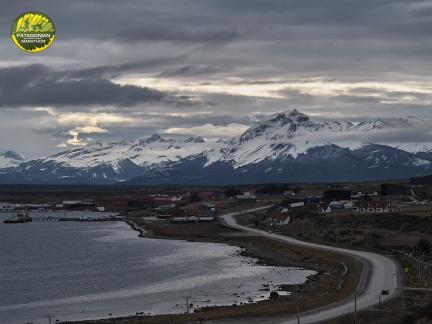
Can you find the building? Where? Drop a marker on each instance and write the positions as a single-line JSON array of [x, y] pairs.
[[207, 207], [421, 180], [388, 189], [209, 195], [337, 194], [280, 219], [289, 201], [288, 193], [331, 206], [370, 206]]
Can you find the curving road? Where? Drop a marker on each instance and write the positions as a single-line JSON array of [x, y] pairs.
[[383, 275]]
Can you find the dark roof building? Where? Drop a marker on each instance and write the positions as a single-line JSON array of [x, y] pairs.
[[337, 194], [388, 189]]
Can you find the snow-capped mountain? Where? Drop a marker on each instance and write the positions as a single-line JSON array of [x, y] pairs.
[[141, 152], [287, 147], [10, 158]]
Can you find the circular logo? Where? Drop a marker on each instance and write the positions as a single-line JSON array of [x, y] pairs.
[[33, 31]]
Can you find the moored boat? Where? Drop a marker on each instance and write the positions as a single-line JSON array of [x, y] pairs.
[[19, 218]]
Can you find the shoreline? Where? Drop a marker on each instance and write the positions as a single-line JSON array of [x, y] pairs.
[[317, 291]]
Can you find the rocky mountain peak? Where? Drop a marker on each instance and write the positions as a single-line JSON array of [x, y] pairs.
[[292, 116], [154, 138], [191, 139], [13, 156]]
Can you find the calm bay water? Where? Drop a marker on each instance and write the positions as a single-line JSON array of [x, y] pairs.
[[87, 270]]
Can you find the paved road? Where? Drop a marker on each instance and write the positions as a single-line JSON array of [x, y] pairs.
[[383, 275]]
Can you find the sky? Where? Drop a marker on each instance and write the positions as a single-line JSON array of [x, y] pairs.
[[211, 68]]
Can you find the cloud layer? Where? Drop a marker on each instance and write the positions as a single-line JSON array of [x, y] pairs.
[[214, 66]]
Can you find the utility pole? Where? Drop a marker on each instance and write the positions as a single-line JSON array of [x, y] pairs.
[[49, 317], [387, 239], [298, 308], [355, 299], [402, 277], [187, 309], [367, 237], [337, 234], [322, 231], [379, 305]]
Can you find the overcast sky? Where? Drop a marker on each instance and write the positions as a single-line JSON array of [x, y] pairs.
[[128, 69]]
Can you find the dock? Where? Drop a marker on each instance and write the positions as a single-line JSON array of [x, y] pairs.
[[47, 219]]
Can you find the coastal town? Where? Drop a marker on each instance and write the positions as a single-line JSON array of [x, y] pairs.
[[369, 216]]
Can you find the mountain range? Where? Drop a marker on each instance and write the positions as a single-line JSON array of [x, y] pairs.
[[287, 147]]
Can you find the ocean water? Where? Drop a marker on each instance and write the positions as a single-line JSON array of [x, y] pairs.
[[89, 270]]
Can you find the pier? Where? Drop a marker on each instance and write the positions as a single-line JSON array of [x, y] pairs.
[[48, 219], [76, 219]]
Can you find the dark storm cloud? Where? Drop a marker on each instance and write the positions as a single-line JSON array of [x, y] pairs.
[[115, 70], [318, 49], [12, 78], [193, 71], [172, 34], [37, 85], [33, 89]]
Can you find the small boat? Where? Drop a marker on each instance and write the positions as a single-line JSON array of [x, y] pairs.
[[19, 218]]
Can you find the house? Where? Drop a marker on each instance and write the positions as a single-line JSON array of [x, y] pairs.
[[169, 211], [330, 206], [141, 202], [167, 197], [280, 219], [374, 206], [177, 212], [324, 207], [88, 202], [287, 201], [207, 207], [209, 195], [288, 193]]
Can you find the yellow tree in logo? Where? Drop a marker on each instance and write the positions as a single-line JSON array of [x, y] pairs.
[[33, 31]]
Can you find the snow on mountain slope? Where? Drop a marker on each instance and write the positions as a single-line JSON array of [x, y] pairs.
[[10, 159], [284, 134], [287, 143], [142, 152], [291, 133]]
